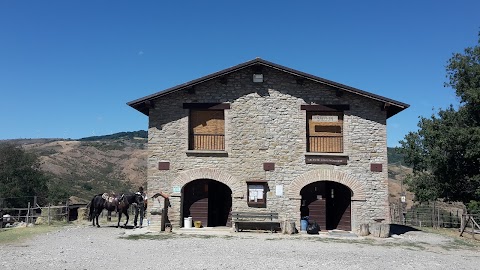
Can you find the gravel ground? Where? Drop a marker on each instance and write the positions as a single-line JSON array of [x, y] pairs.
[[85, 247]]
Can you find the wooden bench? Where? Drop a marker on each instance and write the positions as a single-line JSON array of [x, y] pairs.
[[255, 221]]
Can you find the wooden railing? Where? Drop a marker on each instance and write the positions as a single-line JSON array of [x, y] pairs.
[[325, 144], [208, 142]]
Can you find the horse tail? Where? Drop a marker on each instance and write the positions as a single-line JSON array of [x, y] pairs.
[[92, 205]]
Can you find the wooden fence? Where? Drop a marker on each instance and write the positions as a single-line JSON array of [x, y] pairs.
[[426, 215], [49, 213], [431, 215], [468, 221]]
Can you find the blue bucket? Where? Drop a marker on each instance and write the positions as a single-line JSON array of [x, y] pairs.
[[303, 224]]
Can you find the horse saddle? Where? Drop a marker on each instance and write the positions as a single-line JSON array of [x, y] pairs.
[[109, 198]]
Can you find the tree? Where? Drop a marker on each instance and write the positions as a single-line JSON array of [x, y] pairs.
[[445, 151], [20, 177]]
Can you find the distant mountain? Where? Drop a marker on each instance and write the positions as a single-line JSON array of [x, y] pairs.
[[121, 135], [93, 165], [395, 157], [397, 171], [118, 163]]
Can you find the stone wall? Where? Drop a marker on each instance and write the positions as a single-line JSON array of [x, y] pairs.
[[265, 124]]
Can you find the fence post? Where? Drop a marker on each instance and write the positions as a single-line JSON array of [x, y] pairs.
[[28, 212], [416, 218], [400, 212], [438, 217], [473, 228], [67, 218], [49, 214]]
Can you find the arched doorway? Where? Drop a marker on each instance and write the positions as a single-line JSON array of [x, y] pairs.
[[208, 201], [328, 203]]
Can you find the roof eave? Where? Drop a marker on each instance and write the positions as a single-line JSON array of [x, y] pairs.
[[139, 104]]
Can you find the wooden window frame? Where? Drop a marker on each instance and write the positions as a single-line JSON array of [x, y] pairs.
[[324, 141], [216, 142], [335, 147], [256, 185]]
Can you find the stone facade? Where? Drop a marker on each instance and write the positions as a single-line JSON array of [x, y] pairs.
[[265, 123]]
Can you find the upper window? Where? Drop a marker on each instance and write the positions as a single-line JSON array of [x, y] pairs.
[[324, 132], [207, 130]]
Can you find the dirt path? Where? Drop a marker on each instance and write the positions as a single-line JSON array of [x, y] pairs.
[[85, 247]]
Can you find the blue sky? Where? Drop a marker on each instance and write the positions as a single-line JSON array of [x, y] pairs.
[[67, 68]]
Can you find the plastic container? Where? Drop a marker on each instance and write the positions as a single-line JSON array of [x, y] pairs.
[[187, 222], [303, 224]]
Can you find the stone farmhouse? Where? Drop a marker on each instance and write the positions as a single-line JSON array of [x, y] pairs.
[[261, 137]]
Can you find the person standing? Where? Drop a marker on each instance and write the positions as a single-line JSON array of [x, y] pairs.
[[140, 209]]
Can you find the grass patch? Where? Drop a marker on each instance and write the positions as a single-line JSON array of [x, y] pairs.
[[373, 242], [15, 235], [161, 236], [167, 236], [458, 242]]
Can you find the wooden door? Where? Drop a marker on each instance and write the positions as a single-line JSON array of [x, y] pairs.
[[317, 212], [330, 209], [196, 201], [220, 204], [338, 207]]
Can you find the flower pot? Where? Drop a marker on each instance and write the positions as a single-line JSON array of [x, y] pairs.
[[197, 224]]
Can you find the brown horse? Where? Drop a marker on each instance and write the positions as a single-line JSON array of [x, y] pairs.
[[100, 202], [124, 202], [119, 204]]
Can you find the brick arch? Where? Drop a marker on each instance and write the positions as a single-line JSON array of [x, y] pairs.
[[327, 175], [186, 177]]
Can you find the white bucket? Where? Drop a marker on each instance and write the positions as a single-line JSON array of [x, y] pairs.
[[187, 222]]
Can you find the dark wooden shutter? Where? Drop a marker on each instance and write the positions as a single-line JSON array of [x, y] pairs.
[[207, 129], [323, 136]]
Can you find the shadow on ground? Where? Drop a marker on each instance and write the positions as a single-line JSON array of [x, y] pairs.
[[401, 229]]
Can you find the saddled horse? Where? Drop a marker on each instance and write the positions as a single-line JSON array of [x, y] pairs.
[[124, 203], [118, 203], [100, 202]]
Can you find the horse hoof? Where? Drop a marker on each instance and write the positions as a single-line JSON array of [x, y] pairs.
[[98, 226]]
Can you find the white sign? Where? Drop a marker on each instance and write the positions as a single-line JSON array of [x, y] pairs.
[[176, 189], [279, 190], [325, 118], [255, 193]]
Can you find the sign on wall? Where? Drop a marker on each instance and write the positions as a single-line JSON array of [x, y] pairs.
[[325, 118], [333, 160], [279, 190]]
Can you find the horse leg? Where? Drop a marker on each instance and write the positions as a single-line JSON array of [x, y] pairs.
[[126, 214], [119, 218], [93, 218], [94, 214], [96, 218], [136, 217]]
